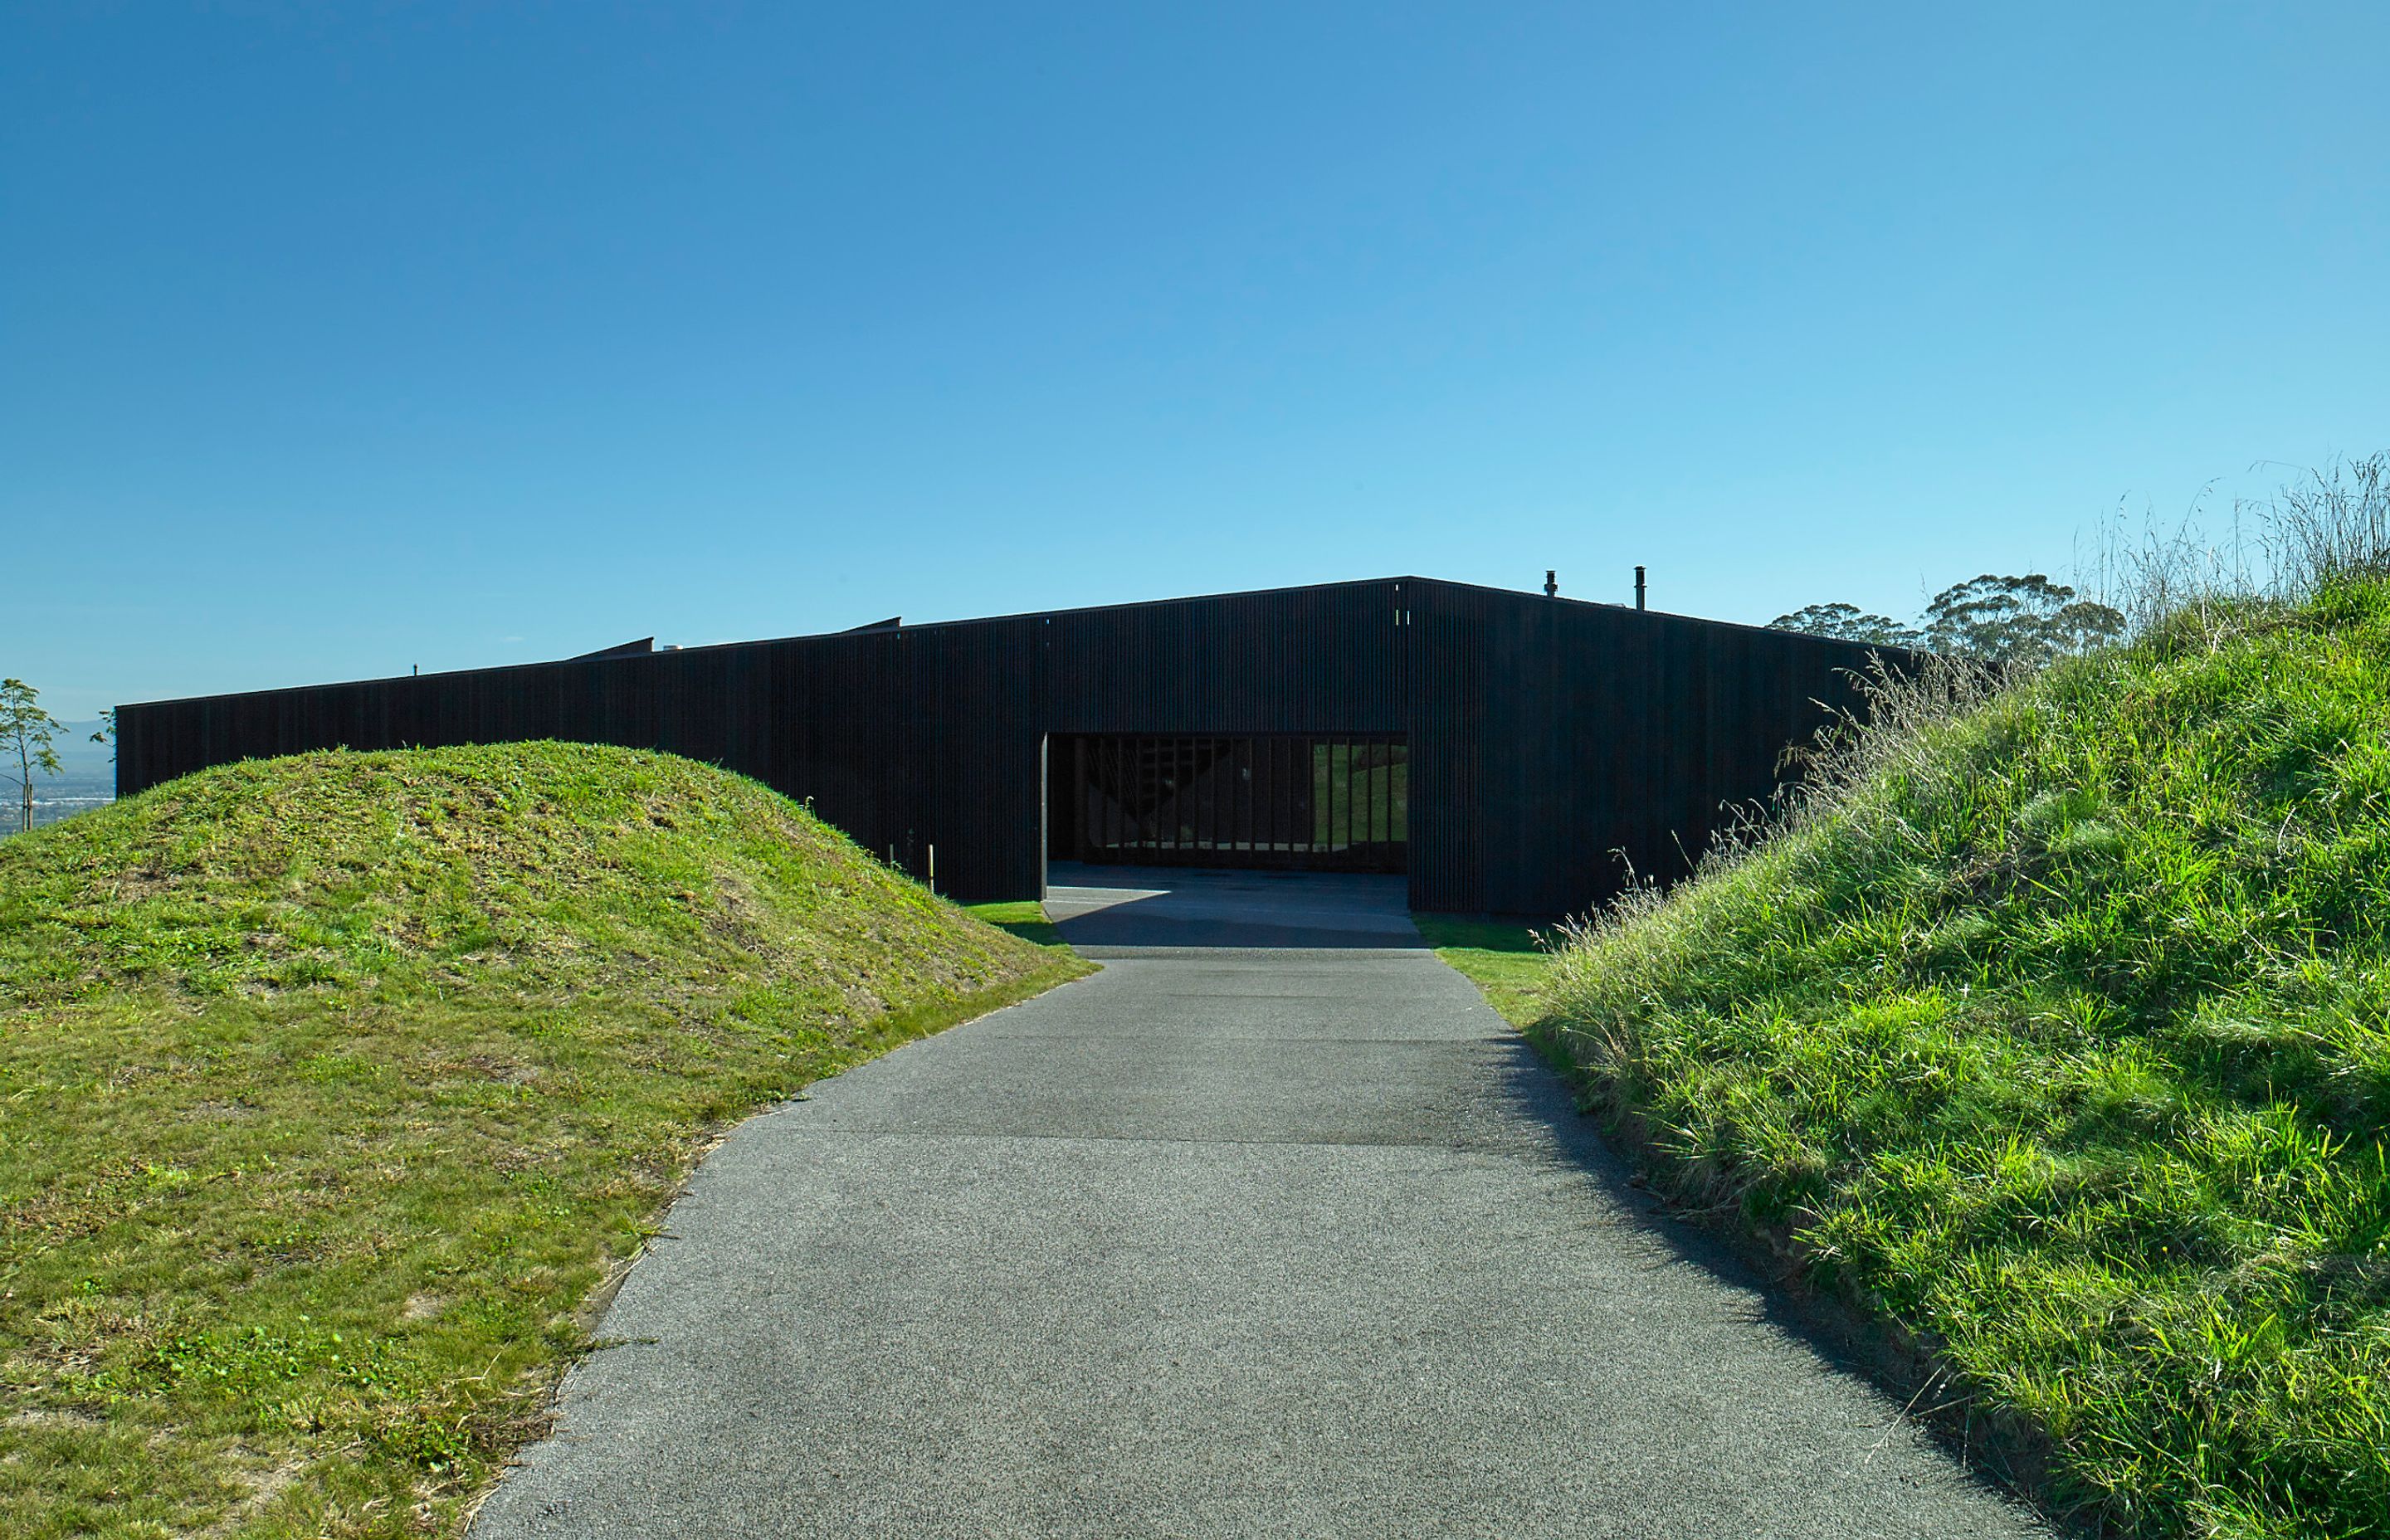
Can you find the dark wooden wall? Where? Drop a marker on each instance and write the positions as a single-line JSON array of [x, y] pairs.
[[1543, 734]]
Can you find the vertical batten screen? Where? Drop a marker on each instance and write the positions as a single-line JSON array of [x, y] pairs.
[[1320, 802]]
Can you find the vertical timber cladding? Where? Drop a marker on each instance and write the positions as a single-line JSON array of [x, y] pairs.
[[1558, 745], [1543, 736]]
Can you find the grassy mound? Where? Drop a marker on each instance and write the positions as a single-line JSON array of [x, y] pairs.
[[2062, 1039], [332, 1087]]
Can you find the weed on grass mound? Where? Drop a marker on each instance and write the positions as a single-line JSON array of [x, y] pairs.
[[331, 1087], [2063, 1037]]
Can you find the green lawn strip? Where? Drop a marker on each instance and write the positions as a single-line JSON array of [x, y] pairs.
[[1503, 959], [334, 1090], [2062, 1047], [1024, 918]]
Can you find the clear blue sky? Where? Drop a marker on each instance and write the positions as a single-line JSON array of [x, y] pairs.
[[338, 339]]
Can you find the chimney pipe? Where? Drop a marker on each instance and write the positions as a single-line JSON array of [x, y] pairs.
[[1638, 587], [1551, 583]]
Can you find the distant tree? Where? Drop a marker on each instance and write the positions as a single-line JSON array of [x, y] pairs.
[[2026, 620], [26, 732], [1849, 623]]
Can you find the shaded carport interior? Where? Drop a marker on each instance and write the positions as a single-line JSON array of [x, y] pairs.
[[1297, 801]]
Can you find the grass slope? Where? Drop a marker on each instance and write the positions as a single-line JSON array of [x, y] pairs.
[[1024, 918], [2065, 1042], [332, 1087], [1506, 960]]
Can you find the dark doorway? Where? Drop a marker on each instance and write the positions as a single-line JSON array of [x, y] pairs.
[[1311, 801]]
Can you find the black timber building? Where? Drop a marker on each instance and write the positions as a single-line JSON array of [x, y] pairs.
[[1502, 749]]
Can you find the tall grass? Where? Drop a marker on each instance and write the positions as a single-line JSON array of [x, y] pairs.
[[2050, 1023]]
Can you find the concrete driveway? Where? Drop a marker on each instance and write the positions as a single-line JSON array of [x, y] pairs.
[[1270, 1228]]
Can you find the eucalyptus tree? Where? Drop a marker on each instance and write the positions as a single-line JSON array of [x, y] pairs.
[[26, 733], [2026, 621], [1849, 623]]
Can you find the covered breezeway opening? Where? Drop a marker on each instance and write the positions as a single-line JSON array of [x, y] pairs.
[[1299, 802]]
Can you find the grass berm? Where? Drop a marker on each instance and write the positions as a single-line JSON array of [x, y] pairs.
[[334, 1090], [2055, 1039]]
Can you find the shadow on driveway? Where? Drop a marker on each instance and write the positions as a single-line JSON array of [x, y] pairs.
[[1140, 908]]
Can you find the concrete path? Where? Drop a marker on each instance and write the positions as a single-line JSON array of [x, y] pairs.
[[1226, 1240]]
